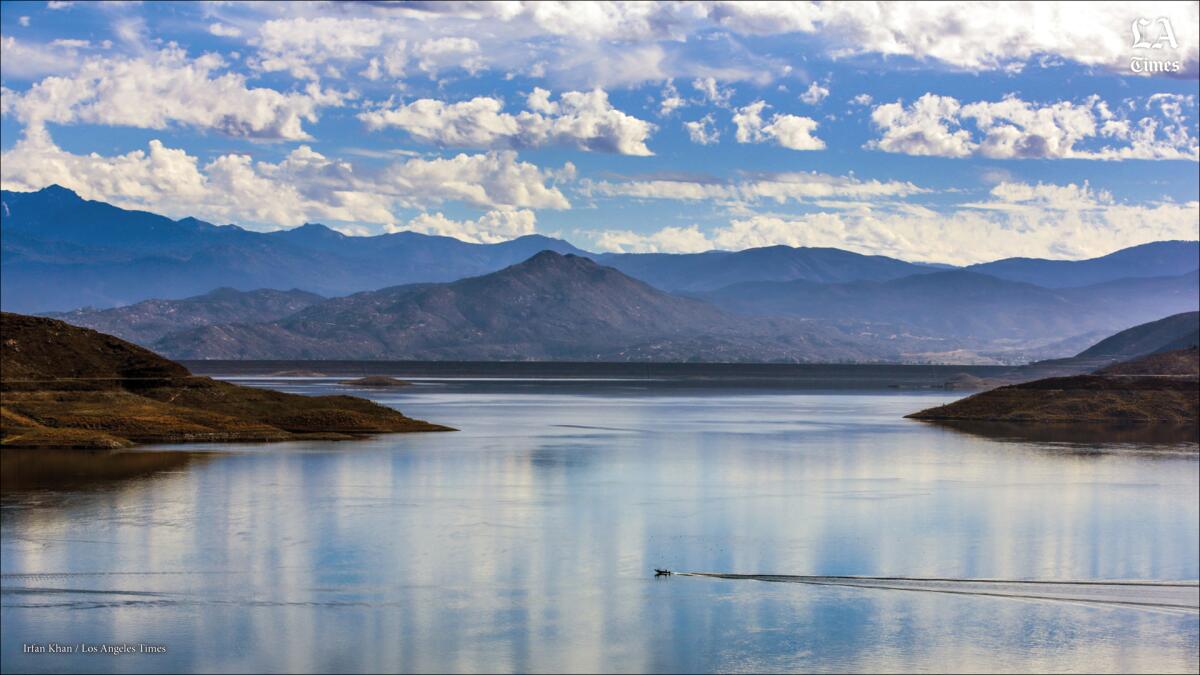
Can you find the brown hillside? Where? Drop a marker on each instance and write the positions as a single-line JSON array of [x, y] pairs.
[[62, 386]]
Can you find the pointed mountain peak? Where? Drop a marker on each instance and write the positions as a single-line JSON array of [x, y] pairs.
[[59, 192], [554, 260]]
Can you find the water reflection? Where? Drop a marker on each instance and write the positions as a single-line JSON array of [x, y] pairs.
[[28, 469], [525, 542], [1098, 437]]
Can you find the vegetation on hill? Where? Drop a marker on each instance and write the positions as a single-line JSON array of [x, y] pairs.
[[63, 386], [1160, 388]]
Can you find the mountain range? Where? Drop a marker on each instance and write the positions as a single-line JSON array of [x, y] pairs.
[[407, 295], [964, 304], [550, 307], [61, 252]]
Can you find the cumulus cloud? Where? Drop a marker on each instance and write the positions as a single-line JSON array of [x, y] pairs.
[[490, 180], [583, 120], [302, 45], [582, 45], [674, 239], [224, 30], [1079, 226], [790, 131], [814, 94], [987, 36], [671, 100], [924, 128], [703, 131], [448, 53], [1016, 129], [304, 186], [490, 228], [169, 88], [711, 92]]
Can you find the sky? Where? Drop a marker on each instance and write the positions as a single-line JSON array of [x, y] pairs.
[[942, 132]]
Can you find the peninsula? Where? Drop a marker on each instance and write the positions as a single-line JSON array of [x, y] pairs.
[[68, 387]]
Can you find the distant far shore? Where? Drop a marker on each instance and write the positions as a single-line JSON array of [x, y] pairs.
[[783, 375]]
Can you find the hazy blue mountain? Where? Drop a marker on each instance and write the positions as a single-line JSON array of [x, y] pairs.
[[148, 321], [60, 252], [549, 307], [1157, 259], [965, 304], [1173, 332], [716, 269]]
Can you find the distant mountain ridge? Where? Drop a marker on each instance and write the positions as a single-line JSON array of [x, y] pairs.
[[1160, 258], [148, 321], [965, 304], [552, 306], [1178, 331], [61, 252]]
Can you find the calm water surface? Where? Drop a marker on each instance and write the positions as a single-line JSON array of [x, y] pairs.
[[526, 541]]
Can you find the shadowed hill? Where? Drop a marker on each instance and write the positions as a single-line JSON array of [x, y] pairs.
[[1173, 332], [1161, 389], [1176, 362], [63, 386]]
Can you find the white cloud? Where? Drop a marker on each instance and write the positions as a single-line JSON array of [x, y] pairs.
[[862, 99], [59, 4], [302, 45], [790, 131], [924, 128], [304, 186], [583, 120], [20, 59], [711, 92], [24, 21], [703, 131], [169, 88], [447, 53], [814, 94], [779, 188], [1081, 230], [609, 44], [1006, 36], [491, 180], [671, 100], [224, 30], [674, 239], [490, 228], [1015, 129]]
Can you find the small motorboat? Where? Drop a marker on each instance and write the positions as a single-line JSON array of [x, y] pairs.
[[661, 573]]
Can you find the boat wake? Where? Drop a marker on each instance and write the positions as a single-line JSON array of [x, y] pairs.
[[1171, 596]]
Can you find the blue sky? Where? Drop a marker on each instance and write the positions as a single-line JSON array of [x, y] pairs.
[[953, 132]]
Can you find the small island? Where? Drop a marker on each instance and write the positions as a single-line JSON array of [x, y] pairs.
[[68, 387], [1160, 388], [380, 381]]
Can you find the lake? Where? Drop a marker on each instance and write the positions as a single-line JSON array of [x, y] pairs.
[[526, 541]]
